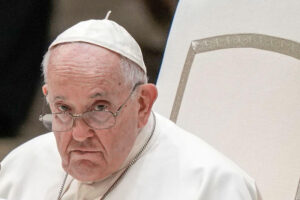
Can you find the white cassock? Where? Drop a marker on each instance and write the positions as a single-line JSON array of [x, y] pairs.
[[175, 165]]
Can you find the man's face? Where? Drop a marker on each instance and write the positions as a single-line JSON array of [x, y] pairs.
[[83, 77]]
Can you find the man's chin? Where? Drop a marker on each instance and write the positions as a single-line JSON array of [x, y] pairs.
[[86, 171]]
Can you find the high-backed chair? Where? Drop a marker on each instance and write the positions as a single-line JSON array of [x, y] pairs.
[[231, 75]]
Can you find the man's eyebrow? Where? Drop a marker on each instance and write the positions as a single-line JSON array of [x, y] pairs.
[[59, 98]]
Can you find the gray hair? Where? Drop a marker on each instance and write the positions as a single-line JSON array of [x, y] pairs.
[[131, 72]]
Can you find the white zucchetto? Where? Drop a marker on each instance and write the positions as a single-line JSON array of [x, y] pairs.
[[104, 33]]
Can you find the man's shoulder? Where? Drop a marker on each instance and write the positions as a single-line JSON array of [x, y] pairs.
[[34, 148], [35, 163], [32, 154], [189, 145], [192, 148], [197, 157]]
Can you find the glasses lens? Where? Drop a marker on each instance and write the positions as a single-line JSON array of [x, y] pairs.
[[64, 121], [61, 121], [99, 119], [47, 121], [57, 122]]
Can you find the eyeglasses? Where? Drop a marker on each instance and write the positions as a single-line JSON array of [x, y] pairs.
[[64, 121]]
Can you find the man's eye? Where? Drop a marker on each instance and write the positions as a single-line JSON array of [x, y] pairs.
[[63, 108], [100, 107]]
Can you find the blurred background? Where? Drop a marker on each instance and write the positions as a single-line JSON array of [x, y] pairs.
[[28, 27]]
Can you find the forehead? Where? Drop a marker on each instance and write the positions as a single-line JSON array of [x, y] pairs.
[[83, 65], [83, 58]]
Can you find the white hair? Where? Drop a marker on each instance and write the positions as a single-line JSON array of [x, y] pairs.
[[131, 71], [45, 63]]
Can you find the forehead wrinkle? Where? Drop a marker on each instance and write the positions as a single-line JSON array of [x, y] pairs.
[[106, 81], [83, 54], [77, 71], [85, 66], [86, 73]]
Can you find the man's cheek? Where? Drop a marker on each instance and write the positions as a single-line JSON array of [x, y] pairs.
[[62, 147], [65, 162]]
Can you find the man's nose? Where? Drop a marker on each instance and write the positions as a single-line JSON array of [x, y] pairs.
[[81, 131]]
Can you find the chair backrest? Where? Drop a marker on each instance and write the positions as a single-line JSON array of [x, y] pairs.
[[231, 75]]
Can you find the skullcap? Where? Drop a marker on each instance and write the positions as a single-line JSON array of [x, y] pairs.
[[105, 33]]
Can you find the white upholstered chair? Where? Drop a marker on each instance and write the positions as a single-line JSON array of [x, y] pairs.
[[231, 75]]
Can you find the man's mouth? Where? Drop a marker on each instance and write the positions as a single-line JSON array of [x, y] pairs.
[[84, 151]]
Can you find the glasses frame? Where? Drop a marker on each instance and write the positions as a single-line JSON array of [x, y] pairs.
[[80, 115]]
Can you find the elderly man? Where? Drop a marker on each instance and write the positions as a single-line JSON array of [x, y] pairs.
[[106, 141]]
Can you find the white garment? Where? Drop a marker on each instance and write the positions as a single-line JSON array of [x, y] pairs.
[[176, 165]]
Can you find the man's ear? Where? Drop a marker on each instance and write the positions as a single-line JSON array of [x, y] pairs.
[[45, 89], [148, 94]]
